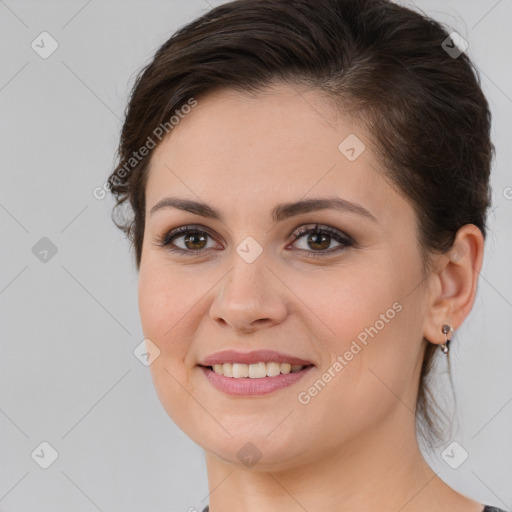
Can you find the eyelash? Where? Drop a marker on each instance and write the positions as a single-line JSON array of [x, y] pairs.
[[345, 240]]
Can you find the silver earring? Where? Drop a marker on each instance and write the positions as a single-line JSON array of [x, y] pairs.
[[445, 347]]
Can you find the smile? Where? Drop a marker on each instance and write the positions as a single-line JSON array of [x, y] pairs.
[[255, 371], [252, 379]]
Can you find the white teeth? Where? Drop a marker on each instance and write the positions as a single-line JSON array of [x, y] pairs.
[[285, 367], [240, 370], [226, 369], [273, 369], [256, 370]]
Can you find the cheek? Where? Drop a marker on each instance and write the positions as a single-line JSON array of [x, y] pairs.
[[347, 300], [164, 298], [364, 319], [163, 313]]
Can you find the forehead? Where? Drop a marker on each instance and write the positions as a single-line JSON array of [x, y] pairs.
[[246, 150]]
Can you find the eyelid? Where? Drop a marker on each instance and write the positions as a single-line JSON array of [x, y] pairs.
[[164, 239], [307, 228]]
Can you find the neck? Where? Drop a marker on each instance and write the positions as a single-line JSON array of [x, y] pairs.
[[381, 470]]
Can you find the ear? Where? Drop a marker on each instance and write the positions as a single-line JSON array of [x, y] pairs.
[[453, 284]]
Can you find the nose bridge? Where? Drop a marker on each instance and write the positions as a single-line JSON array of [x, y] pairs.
[[250, 293]]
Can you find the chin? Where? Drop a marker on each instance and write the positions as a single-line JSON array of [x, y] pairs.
[[257, 455], [253, 445]]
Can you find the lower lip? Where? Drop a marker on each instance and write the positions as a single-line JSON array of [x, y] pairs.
[[245, 386]]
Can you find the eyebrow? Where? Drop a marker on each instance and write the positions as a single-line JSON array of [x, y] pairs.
[[279, 213]]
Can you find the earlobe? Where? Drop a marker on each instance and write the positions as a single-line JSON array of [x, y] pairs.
[[456, 279]]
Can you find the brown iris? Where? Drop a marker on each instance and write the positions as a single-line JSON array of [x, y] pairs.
[[195, 238], [314, 238]]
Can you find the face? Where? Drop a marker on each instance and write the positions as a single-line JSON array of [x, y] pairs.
[[345, 297]]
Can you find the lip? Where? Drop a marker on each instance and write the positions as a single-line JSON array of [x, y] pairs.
[[256, 356], [245, 386]]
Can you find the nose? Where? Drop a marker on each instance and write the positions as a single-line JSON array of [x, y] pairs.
[[250, 297]]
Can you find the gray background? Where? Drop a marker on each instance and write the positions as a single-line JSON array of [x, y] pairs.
[[69, 325]]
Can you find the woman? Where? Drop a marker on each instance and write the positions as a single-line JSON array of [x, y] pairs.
[[309, 182]]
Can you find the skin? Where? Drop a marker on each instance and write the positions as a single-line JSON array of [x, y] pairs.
[[243, 155]]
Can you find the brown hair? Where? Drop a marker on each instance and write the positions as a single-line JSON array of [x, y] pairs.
[[427, 117]]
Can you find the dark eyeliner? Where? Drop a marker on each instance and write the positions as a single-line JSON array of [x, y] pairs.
[[166, 239], [345, 240]]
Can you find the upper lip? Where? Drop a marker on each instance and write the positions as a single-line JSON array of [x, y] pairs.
[[256, 356]]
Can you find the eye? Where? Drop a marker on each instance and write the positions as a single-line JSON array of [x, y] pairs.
[[194, 239], [320, 238]]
